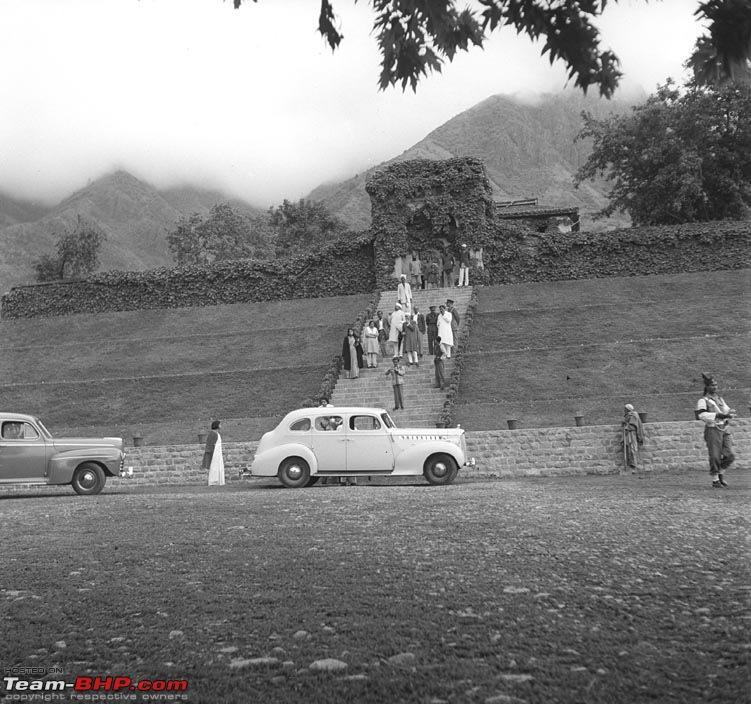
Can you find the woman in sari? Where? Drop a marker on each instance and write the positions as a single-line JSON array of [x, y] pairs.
[[372, 347], [212, 456], [352, 355]]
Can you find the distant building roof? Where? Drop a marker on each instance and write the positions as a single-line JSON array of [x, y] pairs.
[[528, 208]]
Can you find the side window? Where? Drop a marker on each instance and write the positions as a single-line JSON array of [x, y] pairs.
[[29, 432], [12, 430], [329, 423], [300, 425], [364, 423]]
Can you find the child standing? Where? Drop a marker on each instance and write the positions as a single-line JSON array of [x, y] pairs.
[[397, 380], [440, 381]]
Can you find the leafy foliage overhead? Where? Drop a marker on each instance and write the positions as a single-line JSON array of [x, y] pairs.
[[683, 156], [416, 36], [77, 254], [722, 56]]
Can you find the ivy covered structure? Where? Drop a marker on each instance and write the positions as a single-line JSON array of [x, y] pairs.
[[433, 207], [428, 207]]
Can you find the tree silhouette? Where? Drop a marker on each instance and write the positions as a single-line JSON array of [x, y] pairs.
[[77, 254]]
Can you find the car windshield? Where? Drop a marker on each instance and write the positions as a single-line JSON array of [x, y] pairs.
[[44, 430], [386, 418]]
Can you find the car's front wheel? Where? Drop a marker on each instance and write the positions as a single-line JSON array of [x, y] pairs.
[[88, 479], [440, 469], [294, 472]]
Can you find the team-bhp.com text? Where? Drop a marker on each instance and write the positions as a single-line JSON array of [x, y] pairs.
[[97, 689]]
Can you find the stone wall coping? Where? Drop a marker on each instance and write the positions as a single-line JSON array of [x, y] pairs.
[[552, 429]]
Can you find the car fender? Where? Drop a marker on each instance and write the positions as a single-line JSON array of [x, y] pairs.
[[63, 465], [412, 459], [266, 464]]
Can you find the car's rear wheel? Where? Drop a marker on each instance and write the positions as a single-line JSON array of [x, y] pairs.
[[88, 479], [294, 472], [440, 469]]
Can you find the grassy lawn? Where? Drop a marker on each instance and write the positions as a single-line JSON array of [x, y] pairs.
[[542, 352], [538, 352], [167, 373], [567, 590]]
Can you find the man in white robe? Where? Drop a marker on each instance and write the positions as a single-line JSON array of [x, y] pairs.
[[444, 331], [404, 294]]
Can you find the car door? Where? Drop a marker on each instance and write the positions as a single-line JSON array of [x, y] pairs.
[[329, 443], [369, 446], [23, 453]]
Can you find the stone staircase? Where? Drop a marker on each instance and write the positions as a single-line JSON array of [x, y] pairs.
[[423, 404]]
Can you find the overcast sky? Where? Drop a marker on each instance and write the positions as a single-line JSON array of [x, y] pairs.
[[252, 101]]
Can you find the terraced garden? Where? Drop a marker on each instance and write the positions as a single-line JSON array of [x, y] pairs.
[[540, 353]]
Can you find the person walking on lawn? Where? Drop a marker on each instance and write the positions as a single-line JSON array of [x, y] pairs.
[[397, 380], [716, 414]]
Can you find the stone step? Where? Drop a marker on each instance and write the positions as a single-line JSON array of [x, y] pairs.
[[424, 403]]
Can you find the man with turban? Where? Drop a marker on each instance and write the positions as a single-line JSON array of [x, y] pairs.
[[716, 414]]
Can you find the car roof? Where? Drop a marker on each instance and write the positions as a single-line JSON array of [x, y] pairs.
[[332, 410], [9, 415]]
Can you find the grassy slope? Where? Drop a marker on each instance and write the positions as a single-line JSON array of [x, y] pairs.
[[567, 590], [543, 352], [166, 373], [539, 352]]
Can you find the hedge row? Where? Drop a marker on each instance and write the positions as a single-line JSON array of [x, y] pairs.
[[639, 251], [344, 267], [349, 267]]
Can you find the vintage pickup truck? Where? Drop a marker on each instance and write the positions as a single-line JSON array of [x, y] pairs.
[[30, 455], [328, 441]]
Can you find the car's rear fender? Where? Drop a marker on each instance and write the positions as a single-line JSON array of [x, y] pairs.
[[266, 464], [62, 466], [412, 459]]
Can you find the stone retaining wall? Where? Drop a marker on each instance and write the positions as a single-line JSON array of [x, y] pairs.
[[592, 449], [499, 453]]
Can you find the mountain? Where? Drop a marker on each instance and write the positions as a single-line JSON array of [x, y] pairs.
[[14, 211], [134, 216], [528, 148]]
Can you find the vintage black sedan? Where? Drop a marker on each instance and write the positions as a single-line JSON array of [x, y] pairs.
[[29, 455]]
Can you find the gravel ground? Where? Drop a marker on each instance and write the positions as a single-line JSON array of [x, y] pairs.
[[577, 589]]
